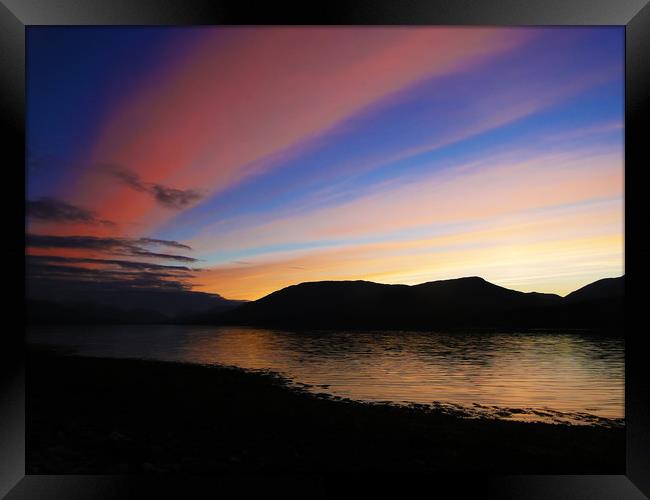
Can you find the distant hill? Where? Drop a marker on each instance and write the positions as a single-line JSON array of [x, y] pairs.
[[133, 307], [208, 316], [601, 289], [598, 304], [456, 303], [55, 313]]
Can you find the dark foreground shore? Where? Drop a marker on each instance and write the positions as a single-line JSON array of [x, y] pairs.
[[109, 416]]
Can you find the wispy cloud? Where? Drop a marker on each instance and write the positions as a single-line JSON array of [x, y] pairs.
[[114, 245], [128, 264], [55, 210], [168, 197], [516, 181]]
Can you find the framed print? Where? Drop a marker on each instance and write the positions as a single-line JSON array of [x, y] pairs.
[[378, 241]]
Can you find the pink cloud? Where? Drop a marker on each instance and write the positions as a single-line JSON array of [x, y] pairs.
[[243, 94]]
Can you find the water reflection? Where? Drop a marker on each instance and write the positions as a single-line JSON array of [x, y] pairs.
[[564, 372]]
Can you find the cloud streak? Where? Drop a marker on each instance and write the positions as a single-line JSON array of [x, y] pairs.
[[50, 259], [168, 197], [117, 245], [489, 187], [105, 266], [51, 209]]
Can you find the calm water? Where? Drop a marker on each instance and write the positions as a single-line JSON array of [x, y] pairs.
[[554, 372]]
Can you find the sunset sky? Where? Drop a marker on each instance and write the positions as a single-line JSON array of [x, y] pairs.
[[242, 160]]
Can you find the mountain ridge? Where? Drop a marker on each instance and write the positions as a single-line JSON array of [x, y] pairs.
[[460, 302], [464, 302]]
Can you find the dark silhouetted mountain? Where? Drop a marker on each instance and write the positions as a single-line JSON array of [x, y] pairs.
[[450, 303], [606, 288], [168, 302], [209, 316], [599, 304], [456, 303]]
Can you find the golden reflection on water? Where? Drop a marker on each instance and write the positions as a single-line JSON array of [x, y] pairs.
[[564, 372]]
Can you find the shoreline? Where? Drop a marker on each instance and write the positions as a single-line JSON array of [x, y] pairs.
[[541, 415], [113, 416]]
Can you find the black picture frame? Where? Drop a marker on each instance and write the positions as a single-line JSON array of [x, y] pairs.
[[17, 15]]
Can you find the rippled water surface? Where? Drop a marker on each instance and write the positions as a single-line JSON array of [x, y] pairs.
[[562, 372]]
